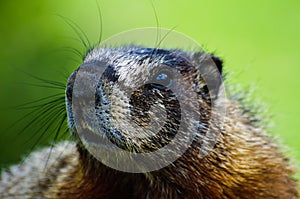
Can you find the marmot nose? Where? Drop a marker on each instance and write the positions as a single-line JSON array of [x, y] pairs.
[[69, 89]]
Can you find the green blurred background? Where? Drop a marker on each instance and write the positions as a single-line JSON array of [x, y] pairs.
[[258, 41]]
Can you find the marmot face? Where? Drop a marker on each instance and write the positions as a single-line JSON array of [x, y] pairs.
[[137, 107], [135, 99]]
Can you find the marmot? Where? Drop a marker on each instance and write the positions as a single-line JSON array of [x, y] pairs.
[[243, 162]]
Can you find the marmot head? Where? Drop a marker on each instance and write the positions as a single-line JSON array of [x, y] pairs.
[[151, 111], [140, 93]]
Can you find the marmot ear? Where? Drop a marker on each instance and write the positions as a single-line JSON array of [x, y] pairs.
[[218, 62], [208, 59], [210, 68]]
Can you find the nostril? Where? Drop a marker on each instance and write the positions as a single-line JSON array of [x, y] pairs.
[[70, 85]]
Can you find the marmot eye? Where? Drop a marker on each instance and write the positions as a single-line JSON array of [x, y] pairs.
[[162, 80]]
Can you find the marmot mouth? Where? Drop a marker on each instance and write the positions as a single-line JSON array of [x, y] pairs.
[[146, 105]]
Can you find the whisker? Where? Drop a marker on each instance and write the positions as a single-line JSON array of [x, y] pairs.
[[74, 51], [65, 134], [100, 22], [79, 32], [18, 121], [43, 86], [165, 36], [40, 112], [158, 32], [46, 81], [64, 117], [45, 126], [25, 105], [65, 73]]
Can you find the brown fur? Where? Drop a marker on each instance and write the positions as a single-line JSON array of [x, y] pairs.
[[244, 163]]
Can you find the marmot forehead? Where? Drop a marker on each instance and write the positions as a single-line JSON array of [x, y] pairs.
[[134, 65]]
